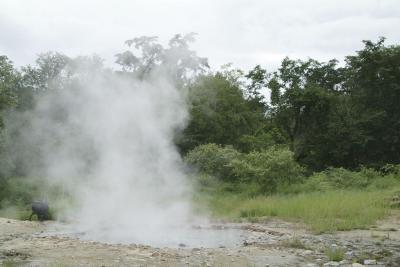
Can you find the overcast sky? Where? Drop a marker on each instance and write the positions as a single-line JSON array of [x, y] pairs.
[[243, 32]]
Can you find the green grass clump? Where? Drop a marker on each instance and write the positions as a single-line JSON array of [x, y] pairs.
[[294, 242], [335, 254], [323, 211]]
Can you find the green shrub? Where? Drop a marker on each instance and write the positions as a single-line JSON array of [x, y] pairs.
[[214, 160], [263, 140], [269, 168], [391, 169], [335, 254], [342, 178], [339, 178], [294, 242], [253, 173], [18, 191]]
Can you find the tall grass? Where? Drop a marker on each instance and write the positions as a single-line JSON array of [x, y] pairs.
[[322, 211]]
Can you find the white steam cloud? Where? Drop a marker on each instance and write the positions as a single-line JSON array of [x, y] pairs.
[[107, 139]]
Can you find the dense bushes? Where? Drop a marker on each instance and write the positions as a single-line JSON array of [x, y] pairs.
[[274, 170], [340, 178], [268, 169], [214, 160]]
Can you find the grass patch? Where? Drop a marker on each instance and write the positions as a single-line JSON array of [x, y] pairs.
[[335, 254], [323, 211], [294, 242]]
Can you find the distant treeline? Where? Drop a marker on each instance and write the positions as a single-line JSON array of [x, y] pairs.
[[327, 114]]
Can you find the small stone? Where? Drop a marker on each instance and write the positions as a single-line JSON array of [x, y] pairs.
[[331, 264], [369, 262], [307, 252], [357, 265]]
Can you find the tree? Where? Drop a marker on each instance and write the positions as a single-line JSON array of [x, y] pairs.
[[9, 80], [303, 97], [373, 84], [178, 61], [219, 113]]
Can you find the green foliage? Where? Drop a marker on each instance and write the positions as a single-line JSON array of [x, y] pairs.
[[262, 140], [218, 114], [269, 168], [214, 160], [339, 178], [373, 83], [335, 253], [294, 242], [9, 80], [338, 116], [266, 169], [18, 191]]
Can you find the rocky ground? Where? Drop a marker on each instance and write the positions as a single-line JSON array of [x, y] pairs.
[[273, 243]]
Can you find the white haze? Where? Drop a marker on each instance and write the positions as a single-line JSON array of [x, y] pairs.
[[107, 140]]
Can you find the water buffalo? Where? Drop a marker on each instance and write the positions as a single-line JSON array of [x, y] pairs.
[[41, 209]]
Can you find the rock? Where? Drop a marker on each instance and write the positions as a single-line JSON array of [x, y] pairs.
[[182, 245], [357, 265], [369, 262], [307, 252], [331, 264], [349, 254]]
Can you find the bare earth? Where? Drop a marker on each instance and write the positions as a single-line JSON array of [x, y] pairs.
[[273, 243]]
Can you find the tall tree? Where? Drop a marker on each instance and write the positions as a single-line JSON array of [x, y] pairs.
[[373, 83], [219, 113], [148, 56]]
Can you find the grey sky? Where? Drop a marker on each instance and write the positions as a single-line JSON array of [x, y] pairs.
[[244, 32]]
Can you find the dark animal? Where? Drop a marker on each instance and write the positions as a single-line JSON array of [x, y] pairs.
[[41, 209]]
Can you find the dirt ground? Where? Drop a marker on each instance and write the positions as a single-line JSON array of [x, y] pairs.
[[273, 243]]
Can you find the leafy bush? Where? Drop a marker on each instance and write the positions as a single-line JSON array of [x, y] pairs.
[[267, 169], [263, 140], [214, 160], [270, 168], [339, 178], [335, 254]]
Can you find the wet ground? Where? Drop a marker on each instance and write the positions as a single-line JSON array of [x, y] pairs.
[[273, 243]]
